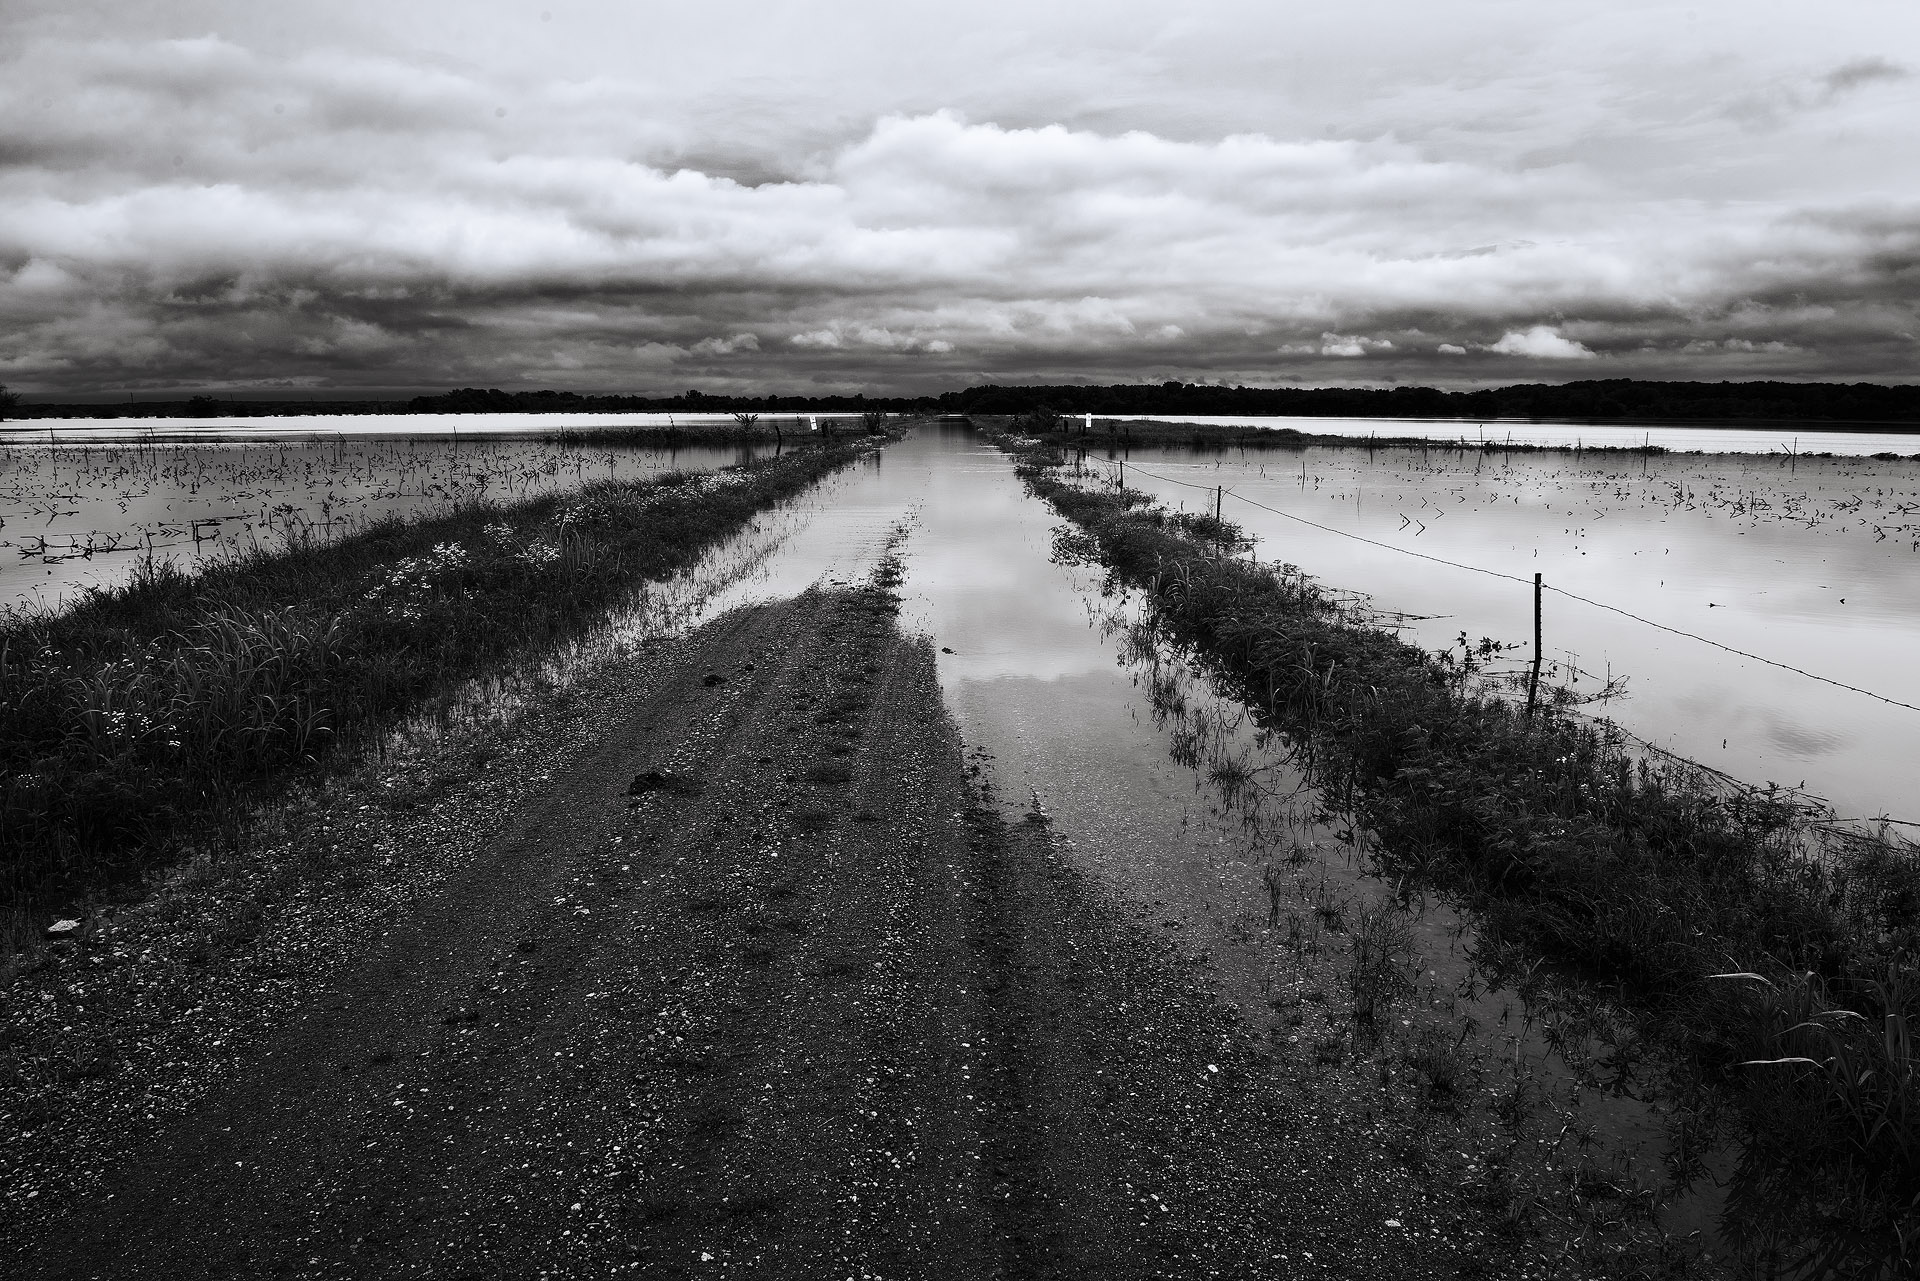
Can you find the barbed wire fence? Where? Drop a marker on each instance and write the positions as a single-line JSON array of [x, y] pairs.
[[1826, 820]]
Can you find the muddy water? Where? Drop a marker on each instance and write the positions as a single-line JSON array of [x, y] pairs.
[[1028, 668], [74, 516], [1814, 564], [1121, 746]]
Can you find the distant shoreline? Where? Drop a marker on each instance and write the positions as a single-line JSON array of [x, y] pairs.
[[24, 414], [1812, 406]]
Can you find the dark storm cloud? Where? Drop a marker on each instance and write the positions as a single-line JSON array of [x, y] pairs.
[[1862, 71], [186, 208]]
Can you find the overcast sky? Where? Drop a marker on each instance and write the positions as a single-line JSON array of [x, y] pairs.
[[906, 195]]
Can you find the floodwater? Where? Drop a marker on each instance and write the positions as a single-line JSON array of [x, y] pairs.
[[1037, 669], [1812, 564], [74, 516], [1678, 437], [309, 428]]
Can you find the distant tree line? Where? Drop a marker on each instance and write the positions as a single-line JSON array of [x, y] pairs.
[[475, 400], [1611, 400]]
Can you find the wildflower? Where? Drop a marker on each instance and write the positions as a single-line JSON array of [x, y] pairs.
[[539, 554]]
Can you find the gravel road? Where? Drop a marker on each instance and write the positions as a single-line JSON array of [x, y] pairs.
[[731, 974]]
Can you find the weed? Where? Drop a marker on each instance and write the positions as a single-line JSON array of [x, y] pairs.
[[1330, 1050], [1440, 1068], [1516, 1104], [1276, 885], [1331, 907], [1377, 974]]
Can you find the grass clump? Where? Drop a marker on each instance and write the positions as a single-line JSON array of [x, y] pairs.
[[150, 710], [1646, 881]]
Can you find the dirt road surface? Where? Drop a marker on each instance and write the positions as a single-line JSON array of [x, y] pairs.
[[749, 983]]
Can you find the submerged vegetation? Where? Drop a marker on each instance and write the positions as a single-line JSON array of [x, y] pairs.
[[147, 712], [1777, 967], [1047, 427]]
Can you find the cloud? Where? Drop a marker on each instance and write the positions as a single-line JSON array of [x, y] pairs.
[[1347, 346], [1540, 342], [870, 337], [726, 346], [1862, 71], [179, 207]]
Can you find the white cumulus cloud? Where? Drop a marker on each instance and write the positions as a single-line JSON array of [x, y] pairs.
[[1541, 342], [1349, 345]]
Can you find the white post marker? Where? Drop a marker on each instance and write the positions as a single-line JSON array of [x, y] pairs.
[[1089, 427]]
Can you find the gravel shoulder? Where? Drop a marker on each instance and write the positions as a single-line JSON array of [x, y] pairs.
[[720, 966]]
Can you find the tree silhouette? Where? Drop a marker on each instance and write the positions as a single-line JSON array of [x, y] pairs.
[[8, 400]]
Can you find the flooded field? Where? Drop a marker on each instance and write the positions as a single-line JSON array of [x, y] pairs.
[[77, 515], [1676, 437], [1810, 563], [222, 428]]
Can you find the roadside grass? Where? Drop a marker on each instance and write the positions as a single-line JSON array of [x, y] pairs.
[[149, 713], [1779, 968]]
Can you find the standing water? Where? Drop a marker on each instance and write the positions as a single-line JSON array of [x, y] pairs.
[[80, 515], [1808, 564], [1164, 791]]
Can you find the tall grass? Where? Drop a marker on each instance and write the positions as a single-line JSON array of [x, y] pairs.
[[153, 707], [1649, 879]]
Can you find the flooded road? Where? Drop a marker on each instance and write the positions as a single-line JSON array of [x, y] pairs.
[[1028, 667], [1074, 713], [1168, 805], [739, 1004]]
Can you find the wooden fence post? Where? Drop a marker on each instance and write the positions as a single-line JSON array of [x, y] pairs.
[[1533, 680]]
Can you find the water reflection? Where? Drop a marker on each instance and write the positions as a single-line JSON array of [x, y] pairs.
[[73, 517], [1676, 437], [1167, 791], [1814, 564], [316, 427]]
